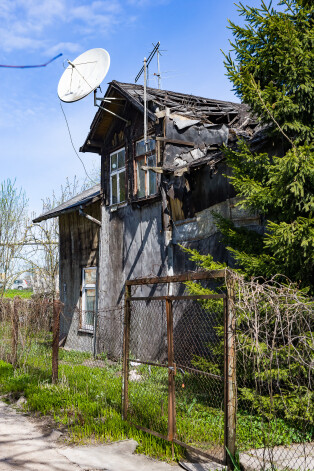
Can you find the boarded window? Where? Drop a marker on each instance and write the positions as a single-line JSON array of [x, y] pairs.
[[117, 176]]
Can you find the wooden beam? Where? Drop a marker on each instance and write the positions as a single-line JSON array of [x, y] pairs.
[[175, 141], [189, 276], [87, 216]]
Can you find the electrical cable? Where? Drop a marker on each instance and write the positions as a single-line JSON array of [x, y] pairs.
[[30, 66], [70, 135]]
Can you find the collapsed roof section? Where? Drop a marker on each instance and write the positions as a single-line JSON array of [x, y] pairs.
[[205, 115]]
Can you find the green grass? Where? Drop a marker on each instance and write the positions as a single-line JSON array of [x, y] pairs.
[[22, 293], [87, 400]]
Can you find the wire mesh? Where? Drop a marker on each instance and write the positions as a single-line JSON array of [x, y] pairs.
[[26, 334], [198, 335], [275, 354], [148, 383], [193, 331], [90, 358]]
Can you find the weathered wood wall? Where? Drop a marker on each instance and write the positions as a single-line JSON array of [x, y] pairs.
[[79, 248]]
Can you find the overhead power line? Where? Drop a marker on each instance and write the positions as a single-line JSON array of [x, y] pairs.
[[30, 66]]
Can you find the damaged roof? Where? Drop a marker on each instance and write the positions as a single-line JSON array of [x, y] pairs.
[[205, 109], [85, 198], [236, 116]]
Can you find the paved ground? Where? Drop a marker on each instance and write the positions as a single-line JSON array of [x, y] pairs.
[[23, 447], [299, 457]]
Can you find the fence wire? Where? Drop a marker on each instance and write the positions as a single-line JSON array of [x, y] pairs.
[[274, 340], [199, 392], [275, 363], [26, 333]]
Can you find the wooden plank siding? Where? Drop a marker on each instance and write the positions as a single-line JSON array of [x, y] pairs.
[[79, 248]]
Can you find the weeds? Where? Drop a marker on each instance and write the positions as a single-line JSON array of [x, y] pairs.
[[87, 400]]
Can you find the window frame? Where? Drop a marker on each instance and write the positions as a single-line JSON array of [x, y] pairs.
[[146, 155], [117, 172], [85, 287]]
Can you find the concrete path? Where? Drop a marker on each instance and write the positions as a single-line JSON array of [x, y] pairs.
[[24, 448]]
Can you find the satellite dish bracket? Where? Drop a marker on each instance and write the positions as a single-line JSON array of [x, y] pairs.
[[108, 100]]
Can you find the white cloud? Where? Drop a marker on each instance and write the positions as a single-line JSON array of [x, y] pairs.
[[65, 47], [36, 24], [147, 3]]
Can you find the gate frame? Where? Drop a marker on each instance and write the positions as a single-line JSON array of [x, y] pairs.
[[229, 378]]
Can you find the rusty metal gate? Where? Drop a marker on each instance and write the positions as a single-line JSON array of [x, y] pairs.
[[179, 366]]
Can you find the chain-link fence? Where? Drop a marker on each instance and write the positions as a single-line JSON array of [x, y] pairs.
[[230, 371], [229, 375], [275, 366], [171, 347], [91, 353], [26, 333]]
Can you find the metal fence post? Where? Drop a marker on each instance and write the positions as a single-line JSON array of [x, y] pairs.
[[171, 372], [126, 348], [15, 330], [55, 339], [230, 374]]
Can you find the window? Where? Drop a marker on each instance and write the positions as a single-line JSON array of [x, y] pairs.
[[145, 180], [88, 298], [117, 176]]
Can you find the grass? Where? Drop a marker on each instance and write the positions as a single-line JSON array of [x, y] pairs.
[[22, 293], [87, 400]]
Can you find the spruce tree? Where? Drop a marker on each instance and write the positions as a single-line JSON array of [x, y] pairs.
[[271, 67]]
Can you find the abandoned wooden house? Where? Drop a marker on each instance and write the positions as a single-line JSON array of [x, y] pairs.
[[151, 199]]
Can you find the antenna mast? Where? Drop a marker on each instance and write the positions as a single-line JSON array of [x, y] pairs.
[[144, 69], [158, 68], [145, 104], [148, 61]]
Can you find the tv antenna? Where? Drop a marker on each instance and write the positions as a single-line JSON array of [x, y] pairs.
[[148, 60]]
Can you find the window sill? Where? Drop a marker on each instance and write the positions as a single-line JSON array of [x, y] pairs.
[[115, 207], [146, 199], [85, 331]]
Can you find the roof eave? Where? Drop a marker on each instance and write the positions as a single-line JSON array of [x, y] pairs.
[[87, 147], [70, 209]]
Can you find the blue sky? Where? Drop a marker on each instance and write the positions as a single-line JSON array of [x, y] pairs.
[[35, 145]]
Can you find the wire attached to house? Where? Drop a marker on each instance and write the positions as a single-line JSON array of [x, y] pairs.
[[30, 66], [70, 135]]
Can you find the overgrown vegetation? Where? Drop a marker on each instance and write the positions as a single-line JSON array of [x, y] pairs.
[[272, 71], [275, 350], [87, 400]]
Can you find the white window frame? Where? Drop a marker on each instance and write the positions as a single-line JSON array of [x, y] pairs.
[[146, 156], [85, 287], [117, 172]]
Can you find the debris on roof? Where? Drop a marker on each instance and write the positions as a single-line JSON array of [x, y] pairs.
[[186, 111], [194, 107]]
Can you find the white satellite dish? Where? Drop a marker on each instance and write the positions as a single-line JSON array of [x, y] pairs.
[[83, 75]]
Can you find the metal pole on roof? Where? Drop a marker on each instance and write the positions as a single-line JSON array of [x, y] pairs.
[[158, 69], [145, 105]]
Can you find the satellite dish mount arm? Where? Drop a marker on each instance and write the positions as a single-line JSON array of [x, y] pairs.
[[109, 100]]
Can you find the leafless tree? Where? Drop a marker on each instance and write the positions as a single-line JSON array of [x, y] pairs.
[[13, 230], [44, 256]]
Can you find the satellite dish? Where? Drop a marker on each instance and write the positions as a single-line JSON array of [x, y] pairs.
[[83, 75]]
